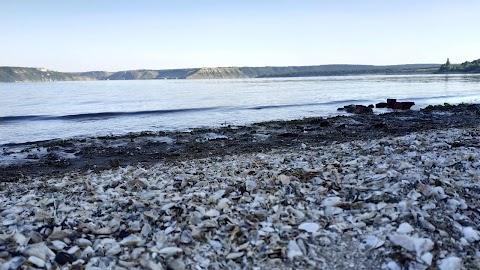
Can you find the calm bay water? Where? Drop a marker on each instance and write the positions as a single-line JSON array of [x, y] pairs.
[[42, 111]]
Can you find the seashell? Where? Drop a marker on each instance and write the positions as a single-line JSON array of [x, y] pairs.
[[302, 246], [296, 213], [450, 263], [429, 206], [146, 230], [170, 251], [331, 201], [216, 245], [40, 251], [331, 211], [78, 262], [82, 242], [59, 234], [167, 206], [114, 250], [103, 231], [185, 237], [151, 214], [9, 222], [250, 185], [427, 258], [404, 228], [223, 203], [422, 245], [135, 254], [212, 213], [134, 227], [393, 266], [131, 240], [139, 182], [35, 237], [285, 180], [176, 265], [20, 239], [73, 250], [403, 241], [426, 224], [217, 195], [378, 177], [14, 263], [293, 250], [470, 234], [235, 255], [373, 242], [148, 263], [309, 227], [87, 252], [36, 261], [58, 245]]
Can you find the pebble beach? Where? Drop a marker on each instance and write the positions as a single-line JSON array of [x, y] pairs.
[[393, 202]]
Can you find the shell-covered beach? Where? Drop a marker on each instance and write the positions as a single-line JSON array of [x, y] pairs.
[[395, 202]]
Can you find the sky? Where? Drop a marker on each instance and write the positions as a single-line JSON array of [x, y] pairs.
[[113, 35]]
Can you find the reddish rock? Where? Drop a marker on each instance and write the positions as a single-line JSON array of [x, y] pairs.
[[360, 109], [381, 105], [403, 105], [391, 103]]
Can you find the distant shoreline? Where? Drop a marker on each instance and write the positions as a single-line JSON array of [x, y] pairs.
[[27, 74]]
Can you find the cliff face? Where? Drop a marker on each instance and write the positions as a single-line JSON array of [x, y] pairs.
[[23, 74], [140, 74], [219, 73]]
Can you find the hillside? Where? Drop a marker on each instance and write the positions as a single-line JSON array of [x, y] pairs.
[[465, 67], [19, 74], [25, 74], [142, 74]]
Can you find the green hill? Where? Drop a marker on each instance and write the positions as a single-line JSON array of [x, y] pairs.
[[465, 67]]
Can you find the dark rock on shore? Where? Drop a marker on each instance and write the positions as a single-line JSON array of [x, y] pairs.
[[381, 105], [403, 105], [360, 109]]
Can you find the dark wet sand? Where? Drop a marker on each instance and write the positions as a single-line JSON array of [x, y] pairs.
[[28, 160]]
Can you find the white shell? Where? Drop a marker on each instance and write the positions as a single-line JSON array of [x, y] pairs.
[[450, 263], [309, 227], [470, 234], [405, 228], [293, 250]]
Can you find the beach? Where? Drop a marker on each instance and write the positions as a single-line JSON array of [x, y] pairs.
[[375, 191]]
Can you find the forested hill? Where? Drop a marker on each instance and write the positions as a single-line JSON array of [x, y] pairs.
[[21, 74], [465, 67]]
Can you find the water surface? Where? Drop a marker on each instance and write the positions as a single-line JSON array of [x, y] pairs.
[[42, 111]]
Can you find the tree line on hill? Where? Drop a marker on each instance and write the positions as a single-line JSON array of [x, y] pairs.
[[465, 67]]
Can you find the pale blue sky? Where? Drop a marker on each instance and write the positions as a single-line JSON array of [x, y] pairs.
[[81, 35]]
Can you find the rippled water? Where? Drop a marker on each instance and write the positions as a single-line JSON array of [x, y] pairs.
[[41, 111]]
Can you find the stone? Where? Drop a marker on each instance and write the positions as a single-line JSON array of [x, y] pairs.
[[403, 105], [381, 105], [360, 109], [391, 102]]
